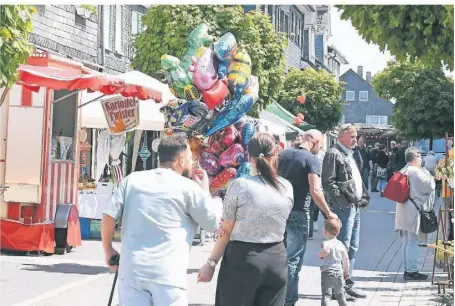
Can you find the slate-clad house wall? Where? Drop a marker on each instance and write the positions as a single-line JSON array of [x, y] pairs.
[[58, 29], [357, 110]]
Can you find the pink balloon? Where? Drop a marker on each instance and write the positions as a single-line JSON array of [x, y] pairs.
[[232, 155], [229, 136]]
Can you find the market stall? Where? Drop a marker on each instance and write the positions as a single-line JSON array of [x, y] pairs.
[[41, 155], [104, 144]]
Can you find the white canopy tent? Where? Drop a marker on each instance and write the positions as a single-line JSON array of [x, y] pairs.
[[150, 117]]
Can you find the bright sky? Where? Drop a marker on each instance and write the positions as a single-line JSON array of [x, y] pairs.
[[357, 51]]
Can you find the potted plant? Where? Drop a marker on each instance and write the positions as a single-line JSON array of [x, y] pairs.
[[85, 10], [445, 172]]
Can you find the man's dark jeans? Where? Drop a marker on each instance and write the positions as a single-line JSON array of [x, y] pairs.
[[366, 177], [295, 239], [349, 234]]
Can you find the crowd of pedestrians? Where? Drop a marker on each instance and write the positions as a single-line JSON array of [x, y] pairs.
[[263, 223]]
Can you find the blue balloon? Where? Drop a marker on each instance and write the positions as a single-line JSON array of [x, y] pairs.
[[248, 132], [244, 170], [233, 111]]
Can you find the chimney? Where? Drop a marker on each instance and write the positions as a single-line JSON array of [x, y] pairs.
[[360, 71], [368, 77]]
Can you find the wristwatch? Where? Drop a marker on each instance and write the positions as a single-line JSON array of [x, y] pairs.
[[212, 263]]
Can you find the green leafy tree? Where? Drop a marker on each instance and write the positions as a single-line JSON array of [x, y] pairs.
[[323, 106], [15, 25], [168, 28], [423, 32], [424, 99]]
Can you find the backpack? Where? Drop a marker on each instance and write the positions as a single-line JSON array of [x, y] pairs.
[[397, 189]]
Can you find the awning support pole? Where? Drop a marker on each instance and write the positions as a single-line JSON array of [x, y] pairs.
[[4, 94], [67, 96], [91, 101]]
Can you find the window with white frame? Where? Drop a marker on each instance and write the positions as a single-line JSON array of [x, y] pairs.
[[350, 95], [342, 120], [363, 95], [107, 26], [136, 22], [118, 29], [377, 120]]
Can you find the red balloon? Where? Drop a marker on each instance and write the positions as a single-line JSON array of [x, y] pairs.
[[215, 95], [301, 99]]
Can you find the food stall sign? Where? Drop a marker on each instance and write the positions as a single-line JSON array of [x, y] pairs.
[[122, 114]]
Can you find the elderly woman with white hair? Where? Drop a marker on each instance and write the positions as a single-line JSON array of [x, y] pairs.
[[407, 218]]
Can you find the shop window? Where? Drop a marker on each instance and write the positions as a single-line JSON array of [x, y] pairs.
[[64, 116]]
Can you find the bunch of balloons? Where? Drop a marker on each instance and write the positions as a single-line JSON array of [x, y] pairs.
[[215, 90], [213, 83], [225, 155]]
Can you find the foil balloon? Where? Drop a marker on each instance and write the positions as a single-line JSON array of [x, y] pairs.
[[215, 147], [229, 136], [209, 163], [239, 73], [244, 170], [178, 80], [215, 95], [248, 132], [182, 119], [253, 87], [234, 110], [198, 108], [222, 180], [225, 49], [231, 156], [198, 38], [204, 70]]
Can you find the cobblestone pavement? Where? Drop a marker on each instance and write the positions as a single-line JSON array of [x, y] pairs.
[[80, 278]]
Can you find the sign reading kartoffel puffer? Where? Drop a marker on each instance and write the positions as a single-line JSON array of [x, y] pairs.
[[122, 114]]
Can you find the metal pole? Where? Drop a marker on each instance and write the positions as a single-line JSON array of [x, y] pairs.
[[91, 101], [67, 96]]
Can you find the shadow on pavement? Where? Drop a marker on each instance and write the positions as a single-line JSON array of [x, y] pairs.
[[191, 271], [309, 297], [66, 268]]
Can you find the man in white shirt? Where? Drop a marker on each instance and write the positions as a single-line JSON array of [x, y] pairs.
[[160, 210]]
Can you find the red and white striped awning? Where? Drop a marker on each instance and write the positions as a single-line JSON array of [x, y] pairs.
[[34, 77]]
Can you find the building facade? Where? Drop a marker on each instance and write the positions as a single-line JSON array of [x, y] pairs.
[[307, 28], [101, 41], [361, 103]]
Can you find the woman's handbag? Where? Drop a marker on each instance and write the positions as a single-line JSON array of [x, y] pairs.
[[428, 219], [381, 173]]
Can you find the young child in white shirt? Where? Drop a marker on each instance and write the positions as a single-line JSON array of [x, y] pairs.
[[334, 264]]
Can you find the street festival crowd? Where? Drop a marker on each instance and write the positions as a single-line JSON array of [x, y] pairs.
[[264, 221]]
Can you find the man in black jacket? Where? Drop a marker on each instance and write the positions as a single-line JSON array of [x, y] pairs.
[[362, 157], [346, 194], [399, 158]]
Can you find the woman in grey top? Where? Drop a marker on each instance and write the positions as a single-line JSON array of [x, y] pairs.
[[254, 268]]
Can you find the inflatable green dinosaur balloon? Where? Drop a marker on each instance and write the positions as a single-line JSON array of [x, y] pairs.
[[178, 80], [198, 38]]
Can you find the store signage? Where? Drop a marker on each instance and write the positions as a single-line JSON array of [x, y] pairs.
[[122, 114]]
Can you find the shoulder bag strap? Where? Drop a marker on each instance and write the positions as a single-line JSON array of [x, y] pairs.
[[413, 202]]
